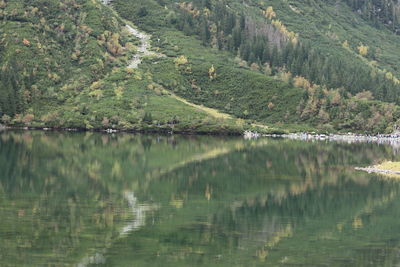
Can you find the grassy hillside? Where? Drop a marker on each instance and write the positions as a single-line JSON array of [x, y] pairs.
[[250, 91], [302, 66], [49, 47], [63, 65], [330, 23]]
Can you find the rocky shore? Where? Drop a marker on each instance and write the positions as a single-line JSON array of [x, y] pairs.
[[374, 169], [349, 137]]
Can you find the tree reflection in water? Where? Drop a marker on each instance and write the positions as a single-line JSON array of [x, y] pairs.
[[125, 200]]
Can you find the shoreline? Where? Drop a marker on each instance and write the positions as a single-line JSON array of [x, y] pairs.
[[132, 131], [374, 169], [338, 137], [345, 138]]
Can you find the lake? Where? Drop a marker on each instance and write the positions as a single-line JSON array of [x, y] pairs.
[[86, 199]]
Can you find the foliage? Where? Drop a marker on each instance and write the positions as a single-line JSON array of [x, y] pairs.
[[255, 61], [250, 94], [47, 45]]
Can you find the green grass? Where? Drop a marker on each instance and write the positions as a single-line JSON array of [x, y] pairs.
[[242, 92], [60, 91], [330, 23]]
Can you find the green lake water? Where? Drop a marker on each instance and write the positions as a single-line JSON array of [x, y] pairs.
[[86, 199]]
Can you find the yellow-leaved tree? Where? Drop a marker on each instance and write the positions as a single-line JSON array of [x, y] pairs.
[[363, 50], [212, 73], [270, 13], [346, 44], [182, 60]]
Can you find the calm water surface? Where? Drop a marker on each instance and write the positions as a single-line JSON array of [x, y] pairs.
[[88, 199]]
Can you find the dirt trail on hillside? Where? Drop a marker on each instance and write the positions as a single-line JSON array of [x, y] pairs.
[[144, 50], [144, 47]]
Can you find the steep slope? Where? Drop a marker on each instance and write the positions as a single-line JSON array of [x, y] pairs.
[[287, 64], [64, 65], [200, 30], [386, 12], [334, 29], [323, 41], [50, 47]]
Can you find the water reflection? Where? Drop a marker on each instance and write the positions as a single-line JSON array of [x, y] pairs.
[[138, 211], [84, 198]]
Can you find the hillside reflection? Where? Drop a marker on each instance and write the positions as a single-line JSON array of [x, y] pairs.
[[124, 199]]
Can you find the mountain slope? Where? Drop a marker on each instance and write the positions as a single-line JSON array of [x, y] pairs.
[[63, 66], [217, 25], [46, 45], [287, 64]]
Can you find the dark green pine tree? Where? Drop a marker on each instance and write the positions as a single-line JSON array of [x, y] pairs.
[[266, 54], [237, 38], [205, 34]]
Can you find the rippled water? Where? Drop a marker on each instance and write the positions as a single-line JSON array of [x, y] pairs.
[[133, 200]]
